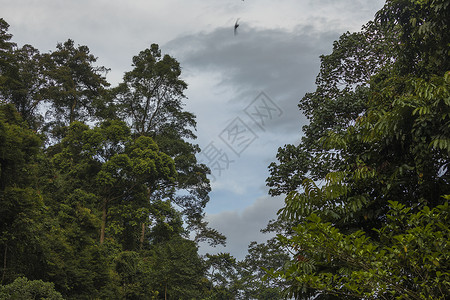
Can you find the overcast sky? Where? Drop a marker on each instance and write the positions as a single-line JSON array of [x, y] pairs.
[[243, 88]]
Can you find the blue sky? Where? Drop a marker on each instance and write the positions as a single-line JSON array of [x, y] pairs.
[[276, 52]]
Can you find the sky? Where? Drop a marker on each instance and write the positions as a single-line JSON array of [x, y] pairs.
[[244, 88]]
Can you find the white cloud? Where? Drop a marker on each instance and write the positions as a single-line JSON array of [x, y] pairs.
[[234, 70], [242, 227]]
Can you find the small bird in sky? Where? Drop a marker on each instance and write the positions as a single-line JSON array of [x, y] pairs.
[[236, 25]]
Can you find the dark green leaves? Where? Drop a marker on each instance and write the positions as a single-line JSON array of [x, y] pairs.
[[408, 258], [379, 133], [104, 208], [151, 94]]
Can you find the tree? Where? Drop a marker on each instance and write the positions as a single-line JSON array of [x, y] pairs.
[[222, 271], [41, 238], [394, 148], [75, 88], [341, 96], [22, 288], [5, 43], [21, 205], [24, 83], [99, 210], [19, 145], [150, 100], [135, 275], [6, 47], [141, 169], [178, 271], [408, 259], [125, 171], [20, 77], [254, 271], [248, 278]]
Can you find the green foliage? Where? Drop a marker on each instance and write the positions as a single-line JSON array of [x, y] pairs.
[[6, 47], [101, 211], [177, 270], [223, 275], [21, 206], [254, 269], [74, 86], [422, 31], [248, 279], [150, 100], [122, 171], [150, 96], [376, 135], [408, 259], [25, 289], [22, 80], [17, 148], [5, 37], [135, 276]]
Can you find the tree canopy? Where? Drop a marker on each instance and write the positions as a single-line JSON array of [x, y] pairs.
[[102, 196], [368, 184], [101, 193]]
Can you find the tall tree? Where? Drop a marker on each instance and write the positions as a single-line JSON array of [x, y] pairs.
[[222, 271], [20, 76], [6, 48], [393, 148], [178, 271], [254, 269], [21, 205], [75, 87], [124, 170], [24, 88], [150, 100], [340, 97], [5, 37], [150, 97]]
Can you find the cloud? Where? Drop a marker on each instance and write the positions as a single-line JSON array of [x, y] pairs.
[[226, 73], [282, 63], [243, 227], [116, 30]]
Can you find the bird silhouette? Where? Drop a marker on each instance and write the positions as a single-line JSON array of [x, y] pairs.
[[236, 25]]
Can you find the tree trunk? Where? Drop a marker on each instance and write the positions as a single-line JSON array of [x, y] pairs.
[[142, 235], [165, 292], [149, 191], [102, 230], [4, 263], [72, 111]]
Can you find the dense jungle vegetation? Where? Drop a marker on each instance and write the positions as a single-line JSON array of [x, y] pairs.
[[102, 197]]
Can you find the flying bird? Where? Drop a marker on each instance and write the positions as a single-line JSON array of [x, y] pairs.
[[236, 25]]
